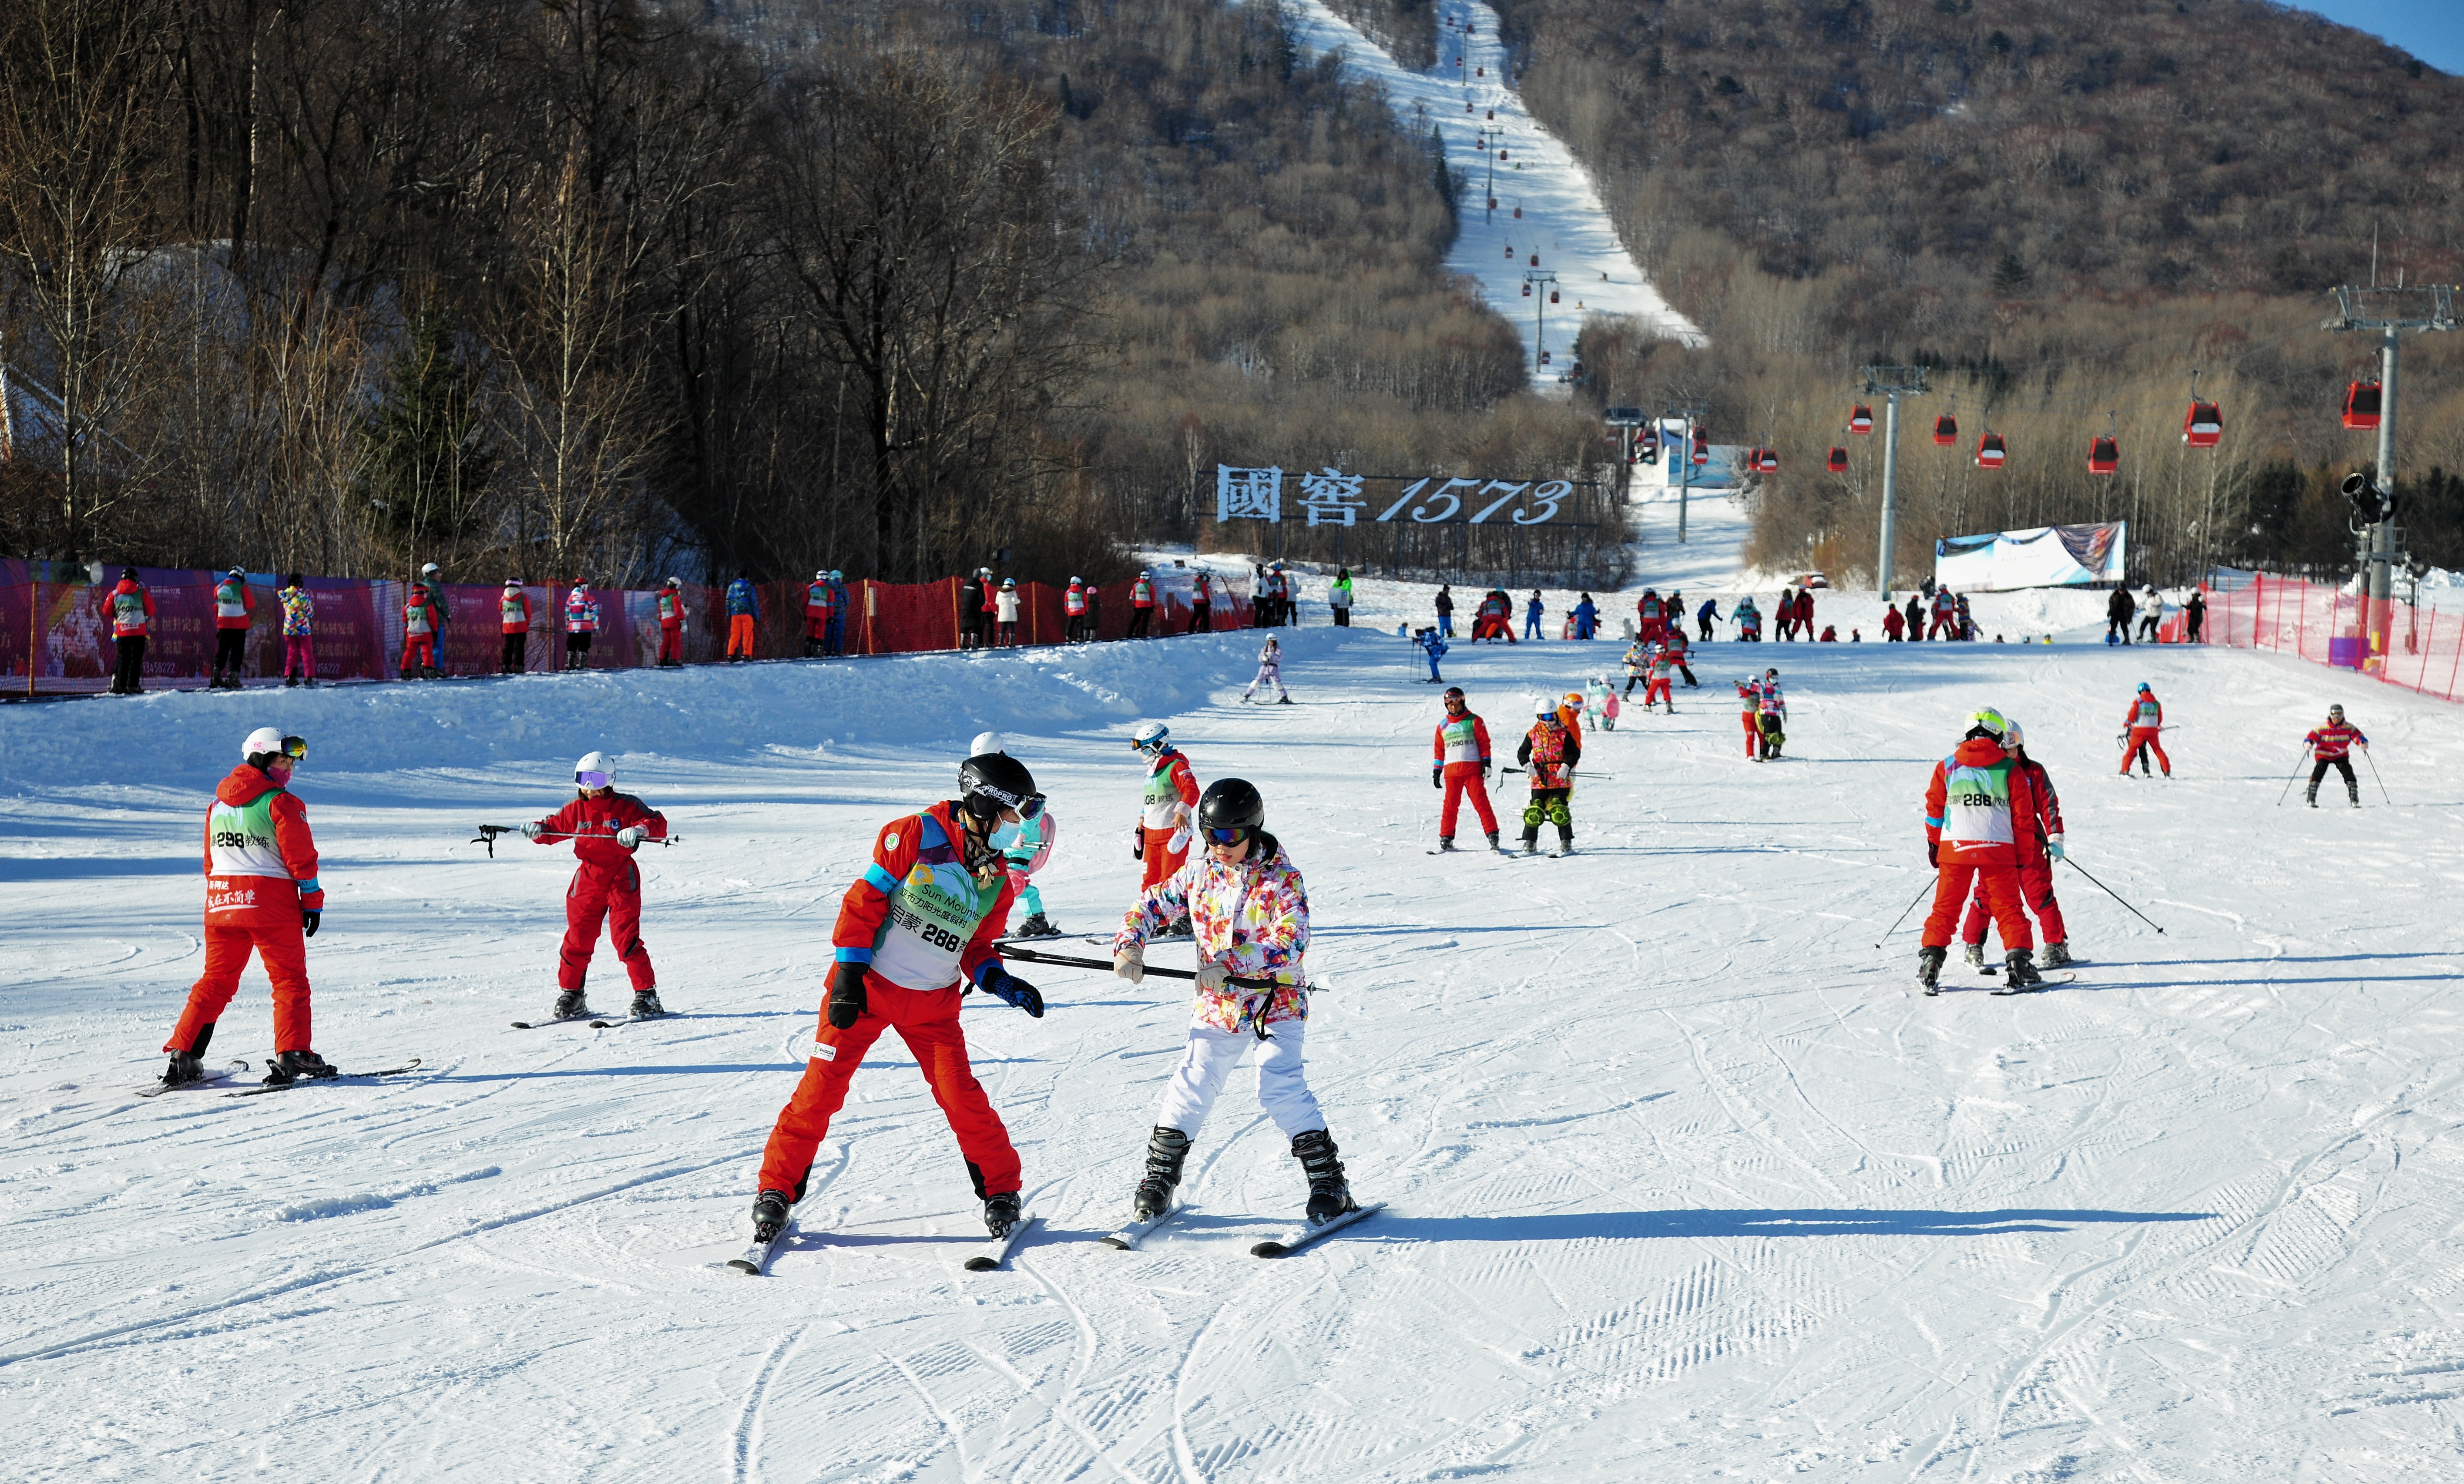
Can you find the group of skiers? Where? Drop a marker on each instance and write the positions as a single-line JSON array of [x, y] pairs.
[[1950, 617]]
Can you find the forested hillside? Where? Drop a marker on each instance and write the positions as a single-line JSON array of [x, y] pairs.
[[2067, 207], [604, 288]]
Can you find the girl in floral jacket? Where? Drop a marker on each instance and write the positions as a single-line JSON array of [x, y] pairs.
[[1249, 915]]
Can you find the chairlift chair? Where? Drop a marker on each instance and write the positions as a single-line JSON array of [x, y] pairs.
[[1535, 259], [1860, 419], [2362, 404], [1492, 205], [1518, 213], [1990, 451], [1946, 430], [1838, 462]]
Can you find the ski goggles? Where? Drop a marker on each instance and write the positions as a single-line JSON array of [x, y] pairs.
[[594, 779], [1229, 834], [1028, 805], [296, 748]]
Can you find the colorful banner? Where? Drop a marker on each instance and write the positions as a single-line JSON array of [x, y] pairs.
[[2046, 556]]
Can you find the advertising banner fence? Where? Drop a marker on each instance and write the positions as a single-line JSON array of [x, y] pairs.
[[2047, 556]]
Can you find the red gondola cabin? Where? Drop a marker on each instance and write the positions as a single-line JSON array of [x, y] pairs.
[[1860, 419], [1766, 460], [2203, 426], [2103, 453], [1702, 446], [2361, 405], [1946, 430], [1990, 451], [1838, 462]]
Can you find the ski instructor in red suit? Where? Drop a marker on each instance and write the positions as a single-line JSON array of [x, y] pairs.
[[1980, 810], [606, 828]]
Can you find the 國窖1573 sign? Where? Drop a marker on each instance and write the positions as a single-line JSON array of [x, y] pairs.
[[1331, 497]]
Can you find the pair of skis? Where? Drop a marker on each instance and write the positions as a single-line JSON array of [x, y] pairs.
[[994, 1253], [598, 1019], [1307, 1233], [213, 1077]]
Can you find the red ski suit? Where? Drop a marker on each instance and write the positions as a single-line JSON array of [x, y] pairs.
[[2146, 719], [2036, 881], [1464, 762], [1973, 808], [1160, 817], [260, 875], [912, 851], [605, 887]]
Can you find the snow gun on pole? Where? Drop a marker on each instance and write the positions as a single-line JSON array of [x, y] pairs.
[[2115, 896], [2296, 776], [488, 834], [1905, 911]]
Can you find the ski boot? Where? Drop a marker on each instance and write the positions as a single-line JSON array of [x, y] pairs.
[[570, 1004], [645, 1004], [1166, 1149], [1000, 1212], [290, 682], [2352, 792], [769, 1215], [1283, 701], [1975, 953], [1929, 968], [1531, 843], [186, 1067], [1446, 845], [290, 1067], [2311, 794], [1492, 842], [1329, 1196], [2023, 971], [1565, 845], [1037, 926], [2058, 954]]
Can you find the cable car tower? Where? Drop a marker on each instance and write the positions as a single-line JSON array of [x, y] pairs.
[[2378, 507], [1891, 383]]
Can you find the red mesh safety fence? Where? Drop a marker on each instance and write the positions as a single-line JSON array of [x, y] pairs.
[[2417, 648]]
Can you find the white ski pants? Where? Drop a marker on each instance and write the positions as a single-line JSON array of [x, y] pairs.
[[1283, 1087], [1267, 674]]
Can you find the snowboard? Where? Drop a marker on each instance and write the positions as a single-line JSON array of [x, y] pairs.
[[209, 1076], [1308, 1234]]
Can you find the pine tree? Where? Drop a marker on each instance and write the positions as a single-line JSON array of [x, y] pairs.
[[428, 461], [2011, 277]]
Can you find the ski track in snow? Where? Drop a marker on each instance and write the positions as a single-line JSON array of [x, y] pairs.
[[1563, 220], [1685, 1180]]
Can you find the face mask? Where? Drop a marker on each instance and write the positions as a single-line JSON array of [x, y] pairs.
[[1006, 834]]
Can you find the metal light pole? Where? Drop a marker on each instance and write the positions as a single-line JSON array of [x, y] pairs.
[[2377, 595], [1891, 383]]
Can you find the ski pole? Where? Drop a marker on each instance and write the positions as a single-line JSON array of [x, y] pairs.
[[2296, 777], [1065, 961], [1905, 911], [2374, 776], [488, 834], [2115, 896]]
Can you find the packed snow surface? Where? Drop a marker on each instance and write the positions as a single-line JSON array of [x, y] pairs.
[[1478, 112], [1685, 1180]]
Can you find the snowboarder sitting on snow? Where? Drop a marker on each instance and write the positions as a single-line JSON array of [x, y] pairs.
[[1973, 805], [921, 921], [606, 828], [1551, 752], [1459, 765], [1249, 915], [1270, 671], [261, 895], [2036, 877], [1435, 644], [2332, 745]]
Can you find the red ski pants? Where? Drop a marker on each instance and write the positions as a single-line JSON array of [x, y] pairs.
[[1941, 622], [672, 644], [2036, 885], [1657, 688], [1161, 859], [1463, 778], [1999, 885], [1753, 720], [300, 656], [422, 646], [927, 1020], [817, 623], [285, 951], [739, 635], [599, 894], [2145, 736]]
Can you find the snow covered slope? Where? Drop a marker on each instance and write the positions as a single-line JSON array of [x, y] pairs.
[[1686, 1181], [1563, 220]]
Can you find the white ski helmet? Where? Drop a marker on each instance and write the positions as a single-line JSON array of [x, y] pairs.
[[822, 576], [986, 742], [513, 581], [264, 739], [595, 765], [1151, 737], [430, 570], [1543, 706], [2011, 736]]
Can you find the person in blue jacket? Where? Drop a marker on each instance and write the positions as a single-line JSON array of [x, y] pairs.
[[1431, 640], [1587, 618], [1532, 616], [1706, 615], [743, 617], [836, 643]]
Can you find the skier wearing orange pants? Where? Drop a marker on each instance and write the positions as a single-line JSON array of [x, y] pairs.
[[1974, 806], [261, 895], [1749, 695], [1164, 808], [2036, 881], [922, 920], [1459, 765], [2145, 719]]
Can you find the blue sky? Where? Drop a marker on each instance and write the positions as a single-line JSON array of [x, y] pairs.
[[2431, 29]]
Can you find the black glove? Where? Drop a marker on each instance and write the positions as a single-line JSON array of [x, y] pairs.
[[846, 995], [1933, 854], [1011, 990], [308, 921], [1138, 844], [1434, 778]]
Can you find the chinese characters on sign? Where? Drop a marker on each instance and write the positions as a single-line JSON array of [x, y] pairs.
[[1333, 498]]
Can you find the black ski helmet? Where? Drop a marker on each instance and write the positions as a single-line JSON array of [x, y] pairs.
[[1230, 803], [991, 782]]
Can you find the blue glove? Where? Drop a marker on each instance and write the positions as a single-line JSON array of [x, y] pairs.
[[1011, 990], [2054, 847]]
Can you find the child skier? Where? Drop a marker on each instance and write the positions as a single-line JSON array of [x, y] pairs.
[[421, 623], [1270, 671], [1459, 765], [1637, 664], [1435, 644], [2332, 747], [1748, 620], [1973, 807], [514, 617], [606, 828], [1749, 700], [1027, 853], [916, 925], [1597, 701], [298, 633], [581, 622], [1664, 665], [1161, 840], [1551, 753], [2035, 875], [2145, 720], [1249, 912], [1775, 715]]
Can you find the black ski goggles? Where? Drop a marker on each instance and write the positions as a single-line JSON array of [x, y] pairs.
[[1028, 807], [296, 748], [1230, 834]]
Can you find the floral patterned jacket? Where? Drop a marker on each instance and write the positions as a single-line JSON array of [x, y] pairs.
[[1251, 917]]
